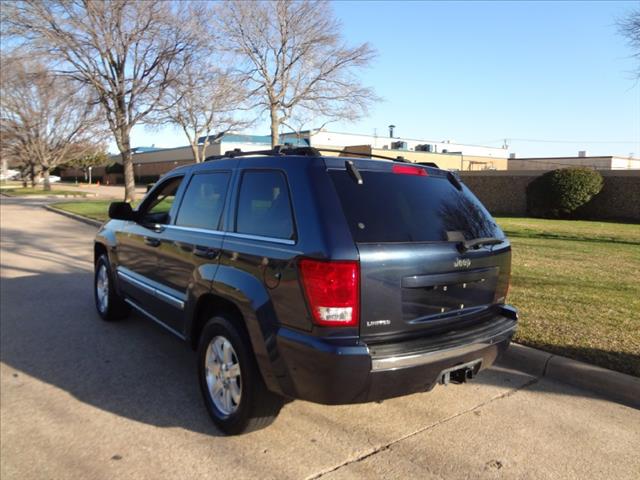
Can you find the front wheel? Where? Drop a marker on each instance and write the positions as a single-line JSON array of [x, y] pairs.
[[231, 384], [109, 304]]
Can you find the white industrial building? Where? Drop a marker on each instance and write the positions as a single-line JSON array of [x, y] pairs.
[[324, 138]]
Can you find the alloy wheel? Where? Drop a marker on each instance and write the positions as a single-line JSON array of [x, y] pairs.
[[224, 380]]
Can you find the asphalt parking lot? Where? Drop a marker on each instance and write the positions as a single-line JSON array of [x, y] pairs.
[[81, 398]]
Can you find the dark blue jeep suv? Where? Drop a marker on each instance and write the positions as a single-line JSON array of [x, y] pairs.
[[298, 275]]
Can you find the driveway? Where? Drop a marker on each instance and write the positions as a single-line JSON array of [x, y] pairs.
[[81, 398], [115, 192]]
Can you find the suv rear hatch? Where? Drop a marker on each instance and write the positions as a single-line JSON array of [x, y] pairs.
[[431, 257]]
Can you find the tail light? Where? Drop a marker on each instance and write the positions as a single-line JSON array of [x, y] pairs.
[[332, 290]]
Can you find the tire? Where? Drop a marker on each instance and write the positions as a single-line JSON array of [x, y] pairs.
[[244, 404], [109, 304]]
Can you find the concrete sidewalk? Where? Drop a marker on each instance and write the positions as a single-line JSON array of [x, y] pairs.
[[81, 398]]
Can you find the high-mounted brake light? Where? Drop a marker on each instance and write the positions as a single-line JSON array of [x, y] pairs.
[[408, 170], [332, 290]]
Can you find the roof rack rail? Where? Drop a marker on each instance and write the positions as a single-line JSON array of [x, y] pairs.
[[428, 164], [278, 150], [369, 155], [287, 149]]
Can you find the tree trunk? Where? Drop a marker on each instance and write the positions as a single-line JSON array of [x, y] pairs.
[[196, 153], [203, 152], [35, 177], [47, 182], [129, 176], [275, 127], [127, 164]]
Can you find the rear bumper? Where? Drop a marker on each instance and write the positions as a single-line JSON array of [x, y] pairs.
[[322, 372]]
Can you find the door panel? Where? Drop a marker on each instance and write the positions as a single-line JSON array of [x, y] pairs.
[[192, 244], [183, 256], [138, 244], [137, 258]]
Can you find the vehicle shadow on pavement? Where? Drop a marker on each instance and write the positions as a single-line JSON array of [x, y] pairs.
[[131, 368]]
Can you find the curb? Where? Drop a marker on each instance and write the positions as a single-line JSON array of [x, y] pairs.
[[74, 216], [615, 386]]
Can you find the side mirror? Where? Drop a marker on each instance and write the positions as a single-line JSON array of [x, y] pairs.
[[121, 211]]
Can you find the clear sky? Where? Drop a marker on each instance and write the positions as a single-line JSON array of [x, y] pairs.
[[480, 72]]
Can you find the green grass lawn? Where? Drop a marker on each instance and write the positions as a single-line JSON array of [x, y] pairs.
[[577, 285], [95, 209], [39, 191]]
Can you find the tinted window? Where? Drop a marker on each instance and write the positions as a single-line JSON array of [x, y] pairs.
[[389, 207], [264, 207], [157, 206], [203, 201]]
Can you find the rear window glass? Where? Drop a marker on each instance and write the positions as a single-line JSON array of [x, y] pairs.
[[264, 207], [390, 207]]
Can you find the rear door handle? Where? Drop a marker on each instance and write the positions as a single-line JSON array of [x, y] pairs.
[[205, 252], [151, 241]]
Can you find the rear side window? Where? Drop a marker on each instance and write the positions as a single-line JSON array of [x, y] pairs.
[[390, 207], [203, 201], [264, 207]]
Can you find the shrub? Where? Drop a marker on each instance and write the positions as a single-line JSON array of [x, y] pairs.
[[561, 192]]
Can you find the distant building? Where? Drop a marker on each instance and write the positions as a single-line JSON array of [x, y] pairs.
[[151, 162], [323, 138], [447, 161]]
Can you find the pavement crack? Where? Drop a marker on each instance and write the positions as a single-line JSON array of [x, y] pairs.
[[431, 426]]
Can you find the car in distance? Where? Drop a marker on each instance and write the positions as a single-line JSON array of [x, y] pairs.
[[52, 179], [296, 275]]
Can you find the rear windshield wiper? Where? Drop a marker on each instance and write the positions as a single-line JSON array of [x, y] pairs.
[[476, 242]]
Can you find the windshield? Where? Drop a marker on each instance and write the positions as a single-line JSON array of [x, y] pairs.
[[389, 207]]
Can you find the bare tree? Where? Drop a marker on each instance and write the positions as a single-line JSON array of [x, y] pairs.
[[629, 27], [46, 120], [296, 61], [127, 51], [203, 100]]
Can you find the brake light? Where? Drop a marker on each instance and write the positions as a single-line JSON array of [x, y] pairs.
[[332, 290], [409, 170]]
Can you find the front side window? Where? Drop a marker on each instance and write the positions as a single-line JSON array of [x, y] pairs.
[[156, 207], [203, 201], [264, 207]]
